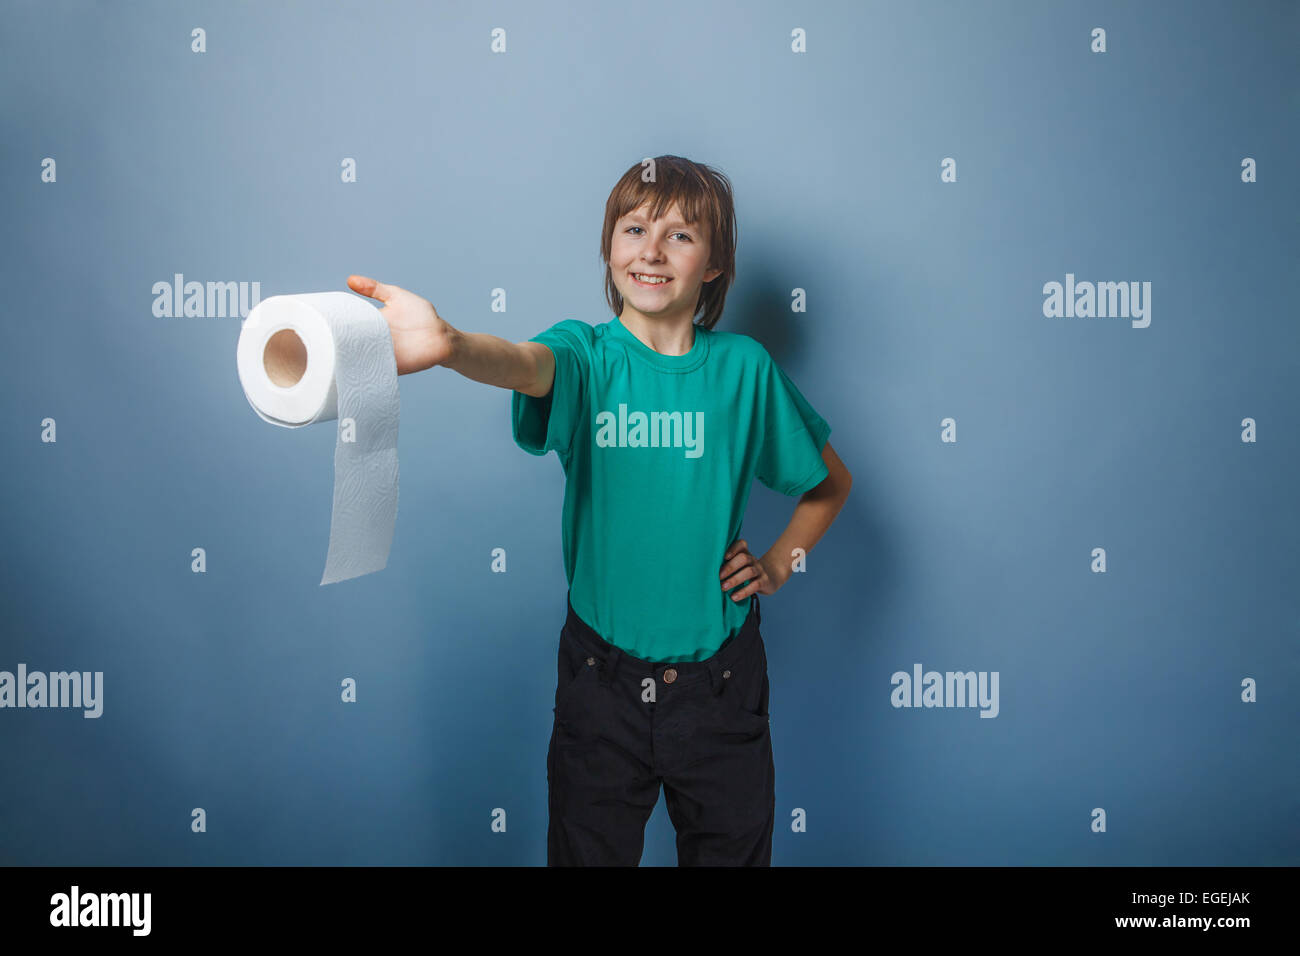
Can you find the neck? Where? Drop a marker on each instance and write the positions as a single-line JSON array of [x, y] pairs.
[[667, 335]]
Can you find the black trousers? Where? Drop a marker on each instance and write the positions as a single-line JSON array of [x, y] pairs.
[[624, 726]]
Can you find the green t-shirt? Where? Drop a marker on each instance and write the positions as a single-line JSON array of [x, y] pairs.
[[659, 455]]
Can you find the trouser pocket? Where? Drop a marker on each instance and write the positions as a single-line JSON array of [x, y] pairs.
[[745, 688], [573, 665]]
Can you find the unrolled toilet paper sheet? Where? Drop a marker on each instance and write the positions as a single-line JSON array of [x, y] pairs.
[[328, 356]]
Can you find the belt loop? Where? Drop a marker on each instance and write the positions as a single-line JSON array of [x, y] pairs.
[[610, 667], [758, 614]]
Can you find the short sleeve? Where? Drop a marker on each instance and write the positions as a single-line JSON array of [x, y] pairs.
[[550, 422], [790, 459]]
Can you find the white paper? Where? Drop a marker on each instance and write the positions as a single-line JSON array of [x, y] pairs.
[[333, 361]]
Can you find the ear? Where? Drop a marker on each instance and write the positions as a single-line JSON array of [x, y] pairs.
[[712, 274]]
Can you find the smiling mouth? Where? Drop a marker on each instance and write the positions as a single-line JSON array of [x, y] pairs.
[[654, 283]]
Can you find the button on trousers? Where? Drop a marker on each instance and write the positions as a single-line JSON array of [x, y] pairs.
[[624, 726]]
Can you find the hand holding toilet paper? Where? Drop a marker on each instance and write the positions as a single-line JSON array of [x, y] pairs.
[[328, 356]]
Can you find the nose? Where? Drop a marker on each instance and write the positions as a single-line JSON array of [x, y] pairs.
[[653, 250]]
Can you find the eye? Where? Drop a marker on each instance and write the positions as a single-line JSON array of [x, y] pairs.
[[686, 236]]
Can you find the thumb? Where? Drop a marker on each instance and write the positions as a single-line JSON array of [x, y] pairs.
[[371, 288]]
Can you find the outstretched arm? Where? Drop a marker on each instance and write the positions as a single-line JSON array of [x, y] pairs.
[[423, 339]]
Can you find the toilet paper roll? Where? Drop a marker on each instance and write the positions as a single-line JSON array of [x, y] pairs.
[[328, 356]]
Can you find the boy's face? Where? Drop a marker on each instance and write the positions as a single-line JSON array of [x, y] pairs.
[[668, 247]]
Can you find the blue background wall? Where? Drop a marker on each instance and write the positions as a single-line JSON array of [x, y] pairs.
[[1119, 690]]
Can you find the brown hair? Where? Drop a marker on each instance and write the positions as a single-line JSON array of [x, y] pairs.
[[703, 195]]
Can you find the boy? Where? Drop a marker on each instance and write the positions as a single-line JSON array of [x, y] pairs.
[[661, 425]]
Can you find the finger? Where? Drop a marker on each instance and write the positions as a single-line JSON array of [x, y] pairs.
[[743, 593], [371, 288], [739, 561], [743, 575], [736, 548]]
